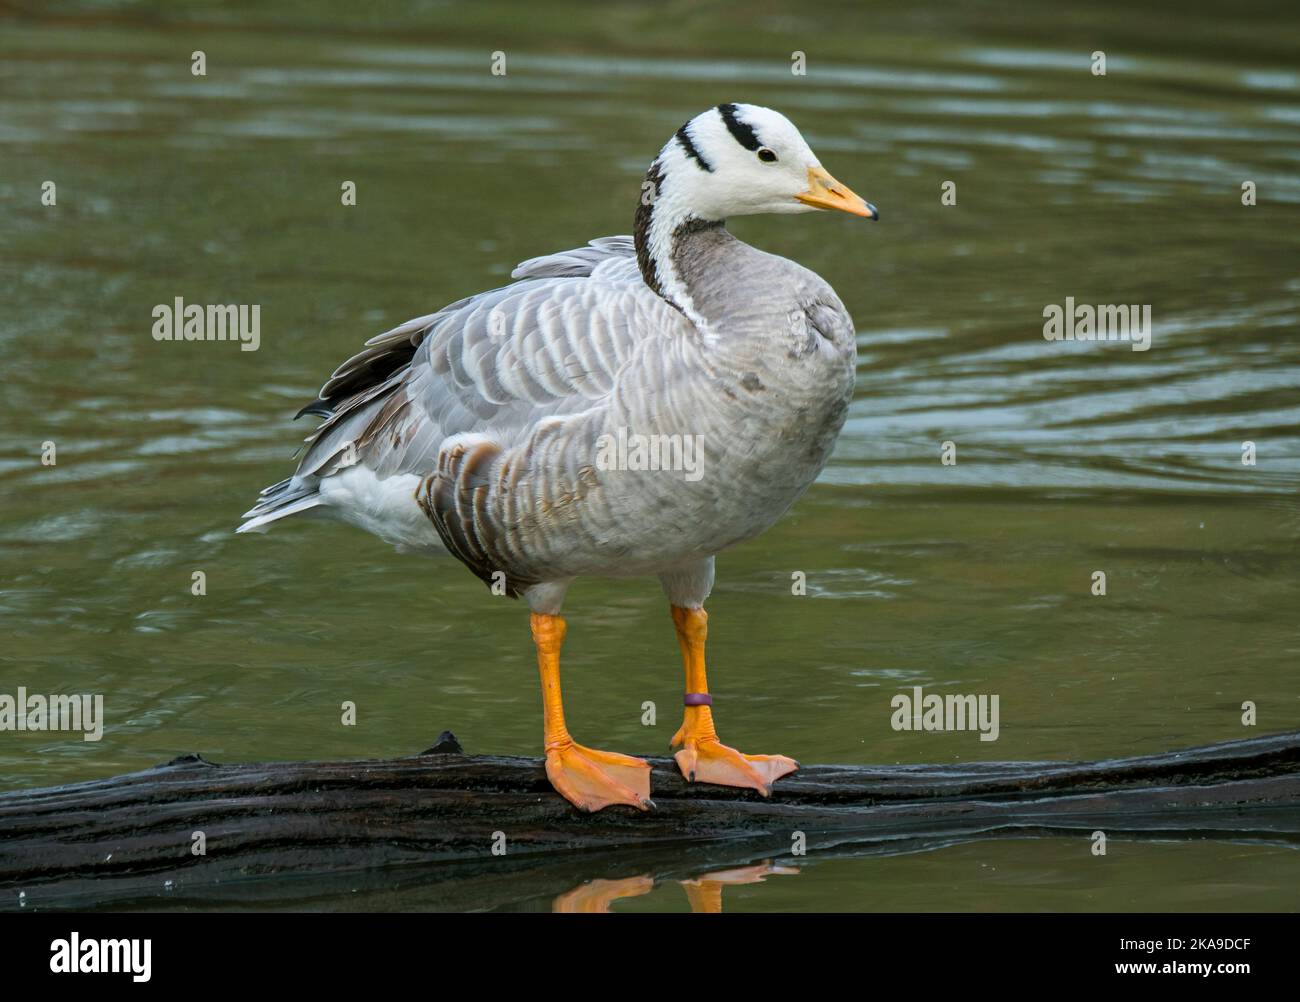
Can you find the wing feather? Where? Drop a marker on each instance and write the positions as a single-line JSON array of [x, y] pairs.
[[495, 364]]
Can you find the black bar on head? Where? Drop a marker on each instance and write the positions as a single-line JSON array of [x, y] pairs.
[[684, 138], [740, 132]]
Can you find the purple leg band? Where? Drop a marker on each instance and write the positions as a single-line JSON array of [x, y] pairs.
[[697, 699]]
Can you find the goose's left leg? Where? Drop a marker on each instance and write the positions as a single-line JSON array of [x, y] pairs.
[[703, 758]]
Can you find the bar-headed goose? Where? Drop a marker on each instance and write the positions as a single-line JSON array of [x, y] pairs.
[[627, 408]]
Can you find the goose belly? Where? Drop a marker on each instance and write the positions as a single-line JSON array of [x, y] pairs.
[[670, 490]]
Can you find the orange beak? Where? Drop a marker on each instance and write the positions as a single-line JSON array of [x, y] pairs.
[[824, 192]]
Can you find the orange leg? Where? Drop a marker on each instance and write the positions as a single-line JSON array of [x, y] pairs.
[[595, 896], [703, 757], [705, 893], [587, 778]]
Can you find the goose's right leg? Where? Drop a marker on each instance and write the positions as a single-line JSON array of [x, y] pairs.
[[587, 778]]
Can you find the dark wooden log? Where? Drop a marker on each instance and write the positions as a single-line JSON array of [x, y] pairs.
[[433, 820]]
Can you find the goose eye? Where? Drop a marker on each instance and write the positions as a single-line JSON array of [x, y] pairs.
[[767, 156]]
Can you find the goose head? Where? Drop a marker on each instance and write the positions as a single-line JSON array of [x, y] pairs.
[[732, 160], [742, 159]]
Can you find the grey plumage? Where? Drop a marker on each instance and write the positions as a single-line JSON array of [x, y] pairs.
[[479, 428]]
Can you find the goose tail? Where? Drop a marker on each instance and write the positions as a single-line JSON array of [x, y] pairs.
[[288, 497]]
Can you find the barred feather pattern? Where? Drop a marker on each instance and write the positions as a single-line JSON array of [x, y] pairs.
[[492, 413]]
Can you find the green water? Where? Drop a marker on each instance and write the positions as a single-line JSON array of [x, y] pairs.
[[973, 578]]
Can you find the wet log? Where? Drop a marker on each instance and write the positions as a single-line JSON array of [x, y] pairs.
[[436, 819]]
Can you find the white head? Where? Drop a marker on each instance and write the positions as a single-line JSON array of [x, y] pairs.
[[741, 159], [733, 160]]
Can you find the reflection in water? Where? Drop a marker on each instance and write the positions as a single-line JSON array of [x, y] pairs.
[[704, 892], [595, 896]]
